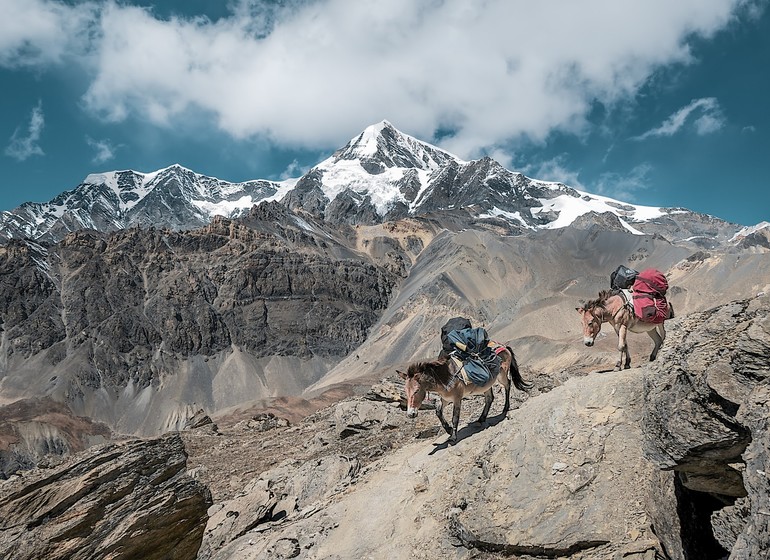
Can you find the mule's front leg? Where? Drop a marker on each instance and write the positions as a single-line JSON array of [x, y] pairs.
[[455, 419], [440, 414]]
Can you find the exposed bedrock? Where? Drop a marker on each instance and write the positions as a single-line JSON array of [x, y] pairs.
[[706, 424], [124, 501]]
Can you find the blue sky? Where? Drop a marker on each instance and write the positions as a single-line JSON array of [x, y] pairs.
[[659, 103]]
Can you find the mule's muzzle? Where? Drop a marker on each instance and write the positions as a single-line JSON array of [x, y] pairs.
[[411, 413], [588, 341]]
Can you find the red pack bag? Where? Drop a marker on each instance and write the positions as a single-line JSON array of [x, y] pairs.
[[651, 281], [649, 297]]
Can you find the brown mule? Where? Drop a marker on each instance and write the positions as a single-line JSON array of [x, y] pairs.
[[440, 376], [613, 308]]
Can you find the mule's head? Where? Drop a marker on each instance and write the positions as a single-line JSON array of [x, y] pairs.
[[414, 388], [591, 324]]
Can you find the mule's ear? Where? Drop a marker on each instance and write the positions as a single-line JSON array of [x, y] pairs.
[[401, 374]]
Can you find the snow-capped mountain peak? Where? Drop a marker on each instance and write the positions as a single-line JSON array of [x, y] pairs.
[[382, 146], [174, 197], [381, 174]]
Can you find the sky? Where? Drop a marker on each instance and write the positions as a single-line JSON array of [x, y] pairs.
[[657, 103]]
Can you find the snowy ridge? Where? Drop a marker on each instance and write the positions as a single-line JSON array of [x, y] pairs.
[[174, 197], [746, 231], [381, 174], [570, 208]]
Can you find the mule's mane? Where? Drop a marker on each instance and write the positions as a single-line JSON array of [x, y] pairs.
[[437, 370], [600, 302]]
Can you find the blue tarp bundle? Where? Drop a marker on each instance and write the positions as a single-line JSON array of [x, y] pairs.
[[472, 347]]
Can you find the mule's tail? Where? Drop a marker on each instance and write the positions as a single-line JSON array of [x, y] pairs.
[[670, 310], [518, 382]]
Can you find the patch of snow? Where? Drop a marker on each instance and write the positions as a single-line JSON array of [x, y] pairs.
[[629, 228], [748, 230], [423, 176], [348, 174], [366, 142], [306, 226], [109, 179], [512, 216], [283, 189], [225, 207], [571, 208]]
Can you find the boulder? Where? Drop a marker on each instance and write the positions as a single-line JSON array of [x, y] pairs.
[[118, 501]]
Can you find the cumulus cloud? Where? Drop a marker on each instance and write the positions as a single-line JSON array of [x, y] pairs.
[[103, 150], [624, 186], [621, 186], [710, 119], [312, 74], [24, 141], [556, 170], [40, 32]]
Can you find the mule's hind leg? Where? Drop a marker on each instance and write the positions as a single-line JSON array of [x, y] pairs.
[[507, 404], [625, 356], [440, 414], [488, 398], [655, 335]]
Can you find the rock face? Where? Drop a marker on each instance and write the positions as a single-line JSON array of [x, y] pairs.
[[706, 420], [98, 318], [125, 501]]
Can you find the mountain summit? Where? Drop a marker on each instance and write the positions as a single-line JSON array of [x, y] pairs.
[[380, 147], [381, 174]]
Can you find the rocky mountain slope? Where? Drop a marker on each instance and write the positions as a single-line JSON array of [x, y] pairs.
[[174, 197], [665, 461], [110, 333], [141, 328]]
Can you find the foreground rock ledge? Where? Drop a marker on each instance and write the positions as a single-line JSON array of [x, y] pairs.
[[564, 475], [131, 500]]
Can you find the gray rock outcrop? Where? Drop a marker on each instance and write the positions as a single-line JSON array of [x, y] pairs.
[[208, 319], [706, 420], [123, 501]]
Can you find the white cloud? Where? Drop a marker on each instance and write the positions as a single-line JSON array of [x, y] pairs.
[[624, 186], [313, 74], [710, 120], [294, 169], [39, 32], [104, 150], [24, 143], [614, 185]]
